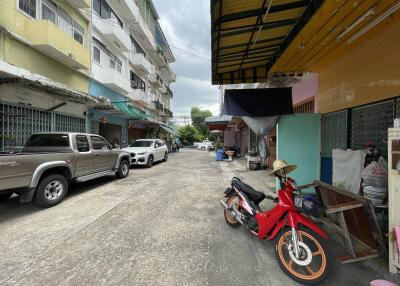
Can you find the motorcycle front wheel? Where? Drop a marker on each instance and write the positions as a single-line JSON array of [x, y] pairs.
[[313, 263]]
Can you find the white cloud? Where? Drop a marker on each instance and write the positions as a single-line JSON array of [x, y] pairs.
[[187, 27]]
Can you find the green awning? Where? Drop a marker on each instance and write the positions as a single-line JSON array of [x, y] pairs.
[[169, 130], [128, 110]]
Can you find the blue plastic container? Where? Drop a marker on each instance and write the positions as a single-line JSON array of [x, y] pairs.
[[220, 154]]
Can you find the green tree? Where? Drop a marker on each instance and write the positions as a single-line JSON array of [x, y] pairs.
[[189, 133], [199, 120]]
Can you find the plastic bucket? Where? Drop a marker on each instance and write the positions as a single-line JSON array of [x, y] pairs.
[[220, 154]]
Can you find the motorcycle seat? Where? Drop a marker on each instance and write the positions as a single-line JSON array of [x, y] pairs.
[[252, 194]]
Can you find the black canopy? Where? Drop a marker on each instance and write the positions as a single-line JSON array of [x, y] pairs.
[[258, 102]]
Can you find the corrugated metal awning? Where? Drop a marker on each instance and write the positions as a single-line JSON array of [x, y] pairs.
[[248, 36]]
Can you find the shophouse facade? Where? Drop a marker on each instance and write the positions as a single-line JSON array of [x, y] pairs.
[[69, 66], [130, 69], [44, 68]]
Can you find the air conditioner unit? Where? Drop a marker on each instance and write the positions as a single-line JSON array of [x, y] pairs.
[[105, 100]]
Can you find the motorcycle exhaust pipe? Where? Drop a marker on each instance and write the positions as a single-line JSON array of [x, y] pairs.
[[236, 215]]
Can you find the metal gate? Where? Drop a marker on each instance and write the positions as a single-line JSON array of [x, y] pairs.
[[333, 132], [17, 123], [369, 125], [333, 135]]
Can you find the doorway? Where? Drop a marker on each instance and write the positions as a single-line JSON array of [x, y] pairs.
[[111, 132]]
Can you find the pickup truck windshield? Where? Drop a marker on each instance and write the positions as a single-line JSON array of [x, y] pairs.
[[141, 144], [48, 140]]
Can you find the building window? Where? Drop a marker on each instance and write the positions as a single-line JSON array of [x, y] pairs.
[[115, 63], [64, 21], [116, 19], [96, 54], [137, 82], [104, 10], [28, 6], [49, 11], [136, 48], [78, 32]]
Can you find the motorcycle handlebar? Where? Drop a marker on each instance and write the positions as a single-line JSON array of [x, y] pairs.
[[274, 199]]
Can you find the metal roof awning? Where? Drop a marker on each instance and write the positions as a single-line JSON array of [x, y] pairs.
[[218, 119], [50, 87], [336, 25], [126, 109], [169, 130], [249, 36]]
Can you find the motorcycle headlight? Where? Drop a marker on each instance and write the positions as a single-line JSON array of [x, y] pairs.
[[143, 153], [308, 204]]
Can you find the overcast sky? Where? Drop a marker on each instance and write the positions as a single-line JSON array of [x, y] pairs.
[[187, 27]]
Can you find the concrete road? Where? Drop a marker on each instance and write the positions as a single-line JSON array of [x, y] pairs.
[[160, 226]]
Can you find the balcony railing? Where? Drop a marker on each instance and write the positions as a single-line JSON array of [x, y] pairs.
[[140, 62], [163, 89], [169, 92], [168, 73], [80, 4], [138, 95], [158, 105], [112, 78], [127, 9], [113, 32], [49, 39], [168, 112], [156, 80], [116, 80]]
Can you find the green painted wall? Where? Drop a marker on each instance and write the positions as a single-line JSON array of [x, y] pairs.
[[299, 143]]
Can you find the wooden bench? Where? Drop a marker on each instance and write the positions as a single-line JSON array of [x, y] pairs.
[[353, 218]]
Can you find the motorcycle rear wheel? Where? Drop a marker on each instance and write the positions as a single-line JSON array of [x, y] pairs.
[[233, 200], [316, 270]]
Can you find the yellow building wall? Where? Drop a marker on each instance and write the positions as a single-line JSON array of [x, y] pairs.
[[368, 70], [21, 54]]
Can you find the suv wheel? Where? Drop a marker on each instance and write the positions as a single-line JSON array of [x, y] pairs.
[[123, 170], [165, 157], [150, 161], [51, 191]]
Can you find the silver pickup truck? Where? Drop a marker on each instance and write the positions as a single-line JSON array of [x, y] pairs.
[[50, 161]]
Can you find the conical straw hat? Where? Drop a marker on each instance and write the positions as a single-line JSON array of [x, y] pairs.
[[282, 166]]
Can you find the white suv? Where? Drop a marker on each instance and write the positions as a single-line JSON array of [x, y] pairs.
[[205, 145], [147, 151]]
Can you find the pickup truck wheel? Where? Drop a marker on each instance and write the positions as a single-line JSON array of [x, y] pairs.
[[123, 170], [5, 197], [51, 191]]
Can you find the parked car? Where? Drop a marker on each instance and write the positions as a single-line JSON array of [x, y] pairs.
[[48, 163], [205, 145], [147, 151]]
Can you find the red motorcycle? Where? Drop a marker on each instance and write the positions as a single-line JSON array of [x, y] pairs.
[[299, 243]]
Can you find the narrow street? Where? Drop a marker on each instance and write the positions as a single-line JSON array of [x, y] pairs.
[[160, 226]]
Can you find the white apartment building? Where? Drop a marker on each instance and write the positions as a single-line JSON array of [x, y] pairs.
[[130, 68], [150, 57]]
